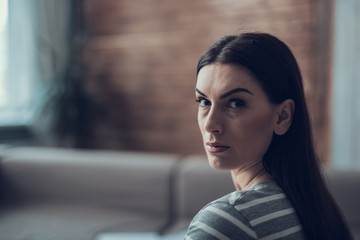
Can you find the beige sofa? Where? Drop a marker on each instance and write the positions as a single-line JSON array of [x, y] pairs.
[[64, 194]]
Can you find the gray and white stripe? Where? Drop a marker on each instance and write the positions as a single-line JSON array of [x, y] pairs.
[[211, 231], [271, 216], [259, 201], [233, 220], [283, 233]]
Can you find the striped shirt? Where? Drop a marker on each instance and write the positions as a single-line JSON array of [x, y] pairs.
[[261, 212]]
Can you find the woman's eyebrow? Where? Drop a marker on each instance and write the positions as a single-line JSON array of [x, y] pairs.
[[227, 94], [235, 91], [198, 91]]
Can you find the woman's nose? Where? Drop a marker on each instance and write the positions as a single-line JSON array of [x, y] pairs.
[[213, 122]]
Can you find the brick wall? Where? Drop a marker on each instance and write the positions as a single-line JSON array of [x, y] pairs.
[[142, 54]]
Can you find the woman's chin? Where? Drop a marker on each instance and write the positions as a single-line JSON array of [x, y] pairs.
[[218, 163]]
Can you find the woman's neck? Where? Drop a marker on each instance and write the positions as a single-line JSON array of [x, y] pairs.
[[245, 178]]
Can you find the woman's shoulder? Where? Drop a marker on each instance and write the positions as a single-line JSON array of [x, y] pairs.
[[257, 194], [258, 211], [263, 199], [221, 220]]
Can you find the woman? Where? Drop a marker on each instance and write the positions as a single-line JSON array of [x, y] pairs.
[[254, 122]]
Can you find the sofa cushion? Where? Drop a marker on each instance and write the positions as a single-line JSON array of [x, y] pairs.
[[68, 192], [132, 181]]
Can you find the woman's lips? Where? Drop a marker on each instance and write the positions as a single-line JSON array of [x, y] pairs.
[[216, 147]]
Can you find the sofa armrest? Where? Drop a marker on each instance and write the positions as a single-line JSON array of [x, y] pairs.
[[344, 185]]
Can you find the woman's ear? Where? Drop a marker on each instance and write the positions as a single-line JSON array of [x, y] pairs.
[[285, 112]]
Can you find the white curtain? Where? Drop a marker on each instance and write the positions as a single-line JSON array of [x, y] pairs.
[[346, 85], [21, 65], [38, 48]]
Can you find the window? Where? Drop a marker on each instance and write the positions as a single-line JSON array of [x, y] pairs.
[[17, 63], [346, 85], [3, 52]]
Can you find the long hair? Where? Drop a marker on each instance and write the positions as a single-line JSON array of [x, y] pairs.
[[291, 158]]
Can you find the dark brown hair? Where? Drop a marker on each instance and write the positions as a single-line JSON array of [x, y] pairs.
[[291, 158]]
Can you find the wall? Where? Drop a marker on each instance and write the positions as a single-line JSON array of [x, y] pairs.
[[141, 58]]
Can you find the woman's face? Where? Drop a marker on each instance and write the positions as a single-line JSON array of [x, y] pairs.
[[235, 117]]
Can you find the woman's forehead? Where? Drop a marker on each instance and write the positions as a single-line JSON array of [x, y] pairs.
[[222, 77]]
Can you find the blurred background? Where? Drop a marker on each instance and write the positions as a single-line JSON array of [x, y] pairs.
[[120, 74]]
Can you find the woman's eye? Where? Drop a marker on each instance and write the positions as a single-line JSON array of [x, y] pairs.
[[203, 102], [236, 103]]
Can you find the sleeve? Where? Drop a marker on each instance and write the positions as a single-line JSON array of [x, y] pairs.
[[219, 221]]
